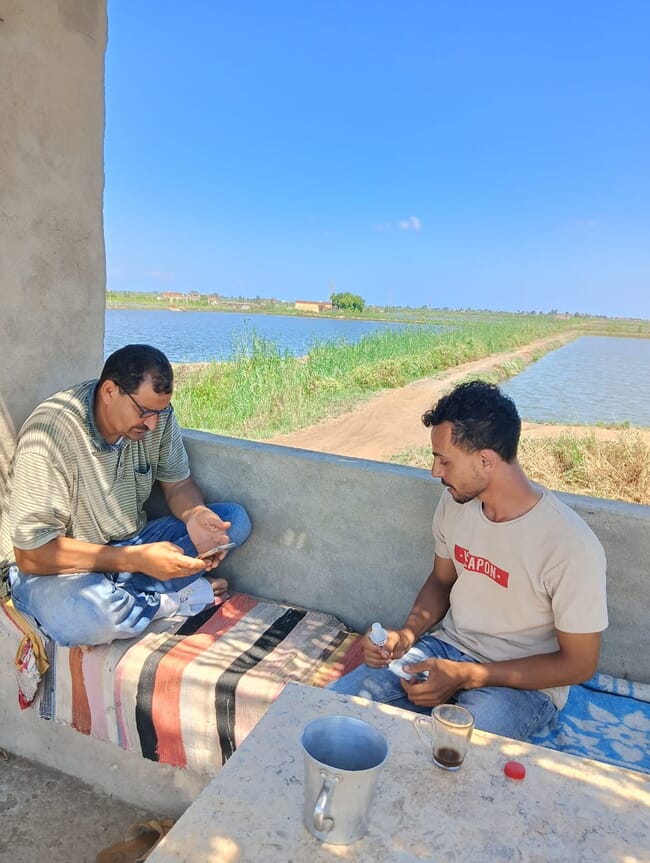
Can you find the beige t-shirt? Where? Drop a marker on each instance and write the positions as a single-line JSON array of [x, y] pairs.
[[67, 481], [520, 580]]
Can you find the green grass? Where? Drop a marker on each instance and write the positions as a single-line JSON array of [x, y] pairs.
[[265, 391]]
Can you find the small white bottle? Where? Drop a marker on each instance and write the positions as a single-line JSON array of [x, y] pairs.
[[378, 635]]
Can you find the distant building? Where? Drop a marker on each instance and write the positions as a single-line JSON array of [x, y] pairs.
[[172, 295], [312, 306], [194, 296]]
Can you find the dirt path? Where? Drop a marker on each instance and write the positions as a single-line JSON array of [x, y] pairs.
[[390, 422]]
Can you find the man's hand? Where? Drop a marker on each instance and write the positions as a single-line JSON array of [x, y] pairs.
[[162, 560], [206, 530], [397, 643], [446, 677]]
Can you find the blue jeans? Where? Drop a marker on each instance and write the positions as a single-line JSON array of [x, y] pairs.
[[98, 607], [517, 713]]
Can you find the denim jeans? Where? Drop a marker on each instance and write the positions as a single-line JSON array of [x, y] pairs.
[[517, 713], [98, 607]]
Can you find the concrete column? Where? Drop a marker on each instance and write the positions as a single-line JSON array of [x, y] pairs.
[[52, 262]]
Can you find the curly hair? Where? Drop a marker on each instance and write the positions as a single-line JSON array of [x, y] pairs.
[[481, 416]]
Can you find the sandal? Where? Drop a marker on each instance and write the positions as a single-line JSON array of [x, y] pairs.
[[139, 842]]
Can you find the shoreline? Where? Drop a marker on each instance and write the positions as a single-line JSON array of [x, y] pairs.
[[389, 423]]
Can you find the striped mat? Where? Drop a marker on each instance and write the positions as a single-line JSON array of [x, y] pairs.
[[189, 697]]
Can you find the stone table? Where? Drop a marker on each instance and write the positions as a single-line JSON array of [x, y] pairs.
[[566, 809]]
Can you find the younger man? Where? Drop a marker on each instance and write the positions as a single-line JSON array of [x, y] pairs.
[[517, 591]]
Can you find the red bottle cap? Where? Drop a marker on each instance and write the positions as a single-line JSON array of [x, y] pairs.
[[514, 770]]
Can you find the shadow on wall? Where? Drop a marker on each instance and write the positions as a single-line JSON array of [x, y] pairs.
[[7, 446]]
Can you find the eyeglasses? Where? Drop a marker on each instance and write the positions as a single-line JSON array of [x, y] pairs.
[[149, 412]]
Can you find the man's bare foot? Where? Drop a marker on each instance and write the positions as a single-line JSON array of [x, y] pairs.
[[219, 586]]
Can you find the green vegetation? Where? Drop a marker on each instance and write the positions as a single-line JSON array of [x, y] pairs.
[[617, 469], [348, 302], [265, 391]]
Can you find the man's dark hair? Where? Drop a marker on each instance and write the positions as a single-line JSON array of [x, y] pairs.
[[481, 416], [130, 365]]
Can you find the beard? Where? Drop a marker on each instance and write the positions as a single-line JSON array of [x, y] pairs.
[[461, 496]]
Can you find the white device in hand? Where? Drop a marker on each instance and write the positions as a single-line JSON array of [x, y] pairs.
[[397, 667]]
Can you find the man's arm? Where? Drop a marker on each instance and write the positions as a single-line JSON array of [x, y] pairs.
[[574, 662], [183, 498], [164, 560], [430, 606], [64, 556]]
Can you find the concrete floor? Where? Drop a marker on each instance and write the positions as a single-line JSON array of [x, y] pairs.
[[49, 817]]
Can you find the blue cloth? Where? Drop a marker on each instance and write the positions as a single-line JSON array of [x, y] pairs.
[[96, 607], [607, 719], [511, 712]]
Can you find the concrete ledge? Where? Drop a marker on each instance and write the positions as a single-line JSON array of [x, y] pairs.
[[353, 537], [158, 787]]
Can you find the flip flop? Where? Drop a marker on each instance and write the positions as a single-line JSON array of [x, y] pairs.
[[139, 842]]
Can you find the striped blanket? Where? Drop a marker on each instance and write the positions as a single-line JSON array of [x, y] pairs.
[[189, 697]]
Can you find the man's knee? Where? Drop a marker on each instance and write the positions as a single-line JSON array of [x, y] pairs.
[[238, 517], [86, 608], [375, 684], [508, 712]]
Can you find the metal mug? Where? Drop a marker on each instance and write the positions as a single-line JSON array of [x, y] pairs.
[[343, 757]]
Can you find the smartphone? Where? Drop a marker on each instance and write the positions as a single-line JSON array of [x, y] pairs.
[[212, 551], [397, 667]]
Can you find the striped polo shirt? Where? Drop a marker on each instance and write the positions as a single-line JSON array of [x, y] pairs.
[[66, 480]]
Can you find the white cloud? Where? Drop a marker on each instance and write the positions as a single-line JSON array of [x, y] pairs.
[[410, 224]]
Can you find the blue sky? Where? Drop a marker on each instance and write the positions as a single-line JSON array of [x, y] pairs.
[[484, 154]]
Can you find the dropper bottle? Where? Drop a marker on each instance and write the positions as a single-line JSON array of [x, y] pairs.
[[378, 635]]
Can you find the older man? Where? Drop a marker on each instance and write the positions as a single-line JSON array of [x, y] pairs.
[[517, 591], [83, 561]]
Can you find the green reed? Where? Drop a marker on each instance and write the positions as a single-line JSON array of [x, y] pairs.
[[264, 390]]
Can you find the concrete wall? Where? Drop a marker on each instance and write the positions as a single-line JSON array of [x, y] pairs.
[[52, 266], [353, 538]]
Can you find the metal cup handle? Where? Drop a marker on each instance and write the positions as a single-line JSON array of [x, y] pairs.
[[323, 822]]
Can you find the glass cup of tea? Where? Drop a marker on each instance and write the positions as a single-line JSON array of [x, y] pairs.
[[449, 732]]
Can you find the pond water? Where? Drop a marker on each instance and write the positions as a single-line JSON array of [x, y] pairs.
[[595, 379], [203, 336]]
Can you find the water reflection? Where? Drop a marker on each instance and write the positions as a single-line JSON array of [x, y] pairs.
[[594, 379], [204, 336]]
